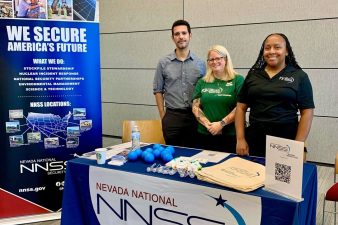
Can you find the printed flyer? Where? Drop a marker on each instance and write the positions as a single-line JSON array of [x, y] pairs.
[[50, 98]]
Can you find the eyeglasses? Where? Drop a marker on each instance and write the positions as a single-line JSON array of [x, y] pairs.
[[217, 59]]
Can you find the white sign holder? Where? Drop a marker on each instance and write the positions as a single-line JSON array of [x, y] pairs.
[[284, 167]]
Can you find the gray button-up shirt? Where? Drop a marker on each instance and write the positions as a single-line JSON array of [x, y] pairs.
[[177, 79]]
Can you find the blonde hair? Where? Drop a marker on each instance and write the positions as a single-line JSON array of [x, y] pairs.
[[228, 69]]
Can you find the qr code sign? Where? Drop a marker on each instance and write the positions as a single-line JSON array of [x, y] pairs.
[[283, 173]]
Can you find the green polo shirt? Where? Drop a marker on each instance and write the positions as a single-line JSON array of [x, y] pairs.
[[218, 99]]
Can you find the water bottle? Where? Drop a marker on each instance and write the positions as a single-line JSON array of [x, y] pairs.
[[135, 138]]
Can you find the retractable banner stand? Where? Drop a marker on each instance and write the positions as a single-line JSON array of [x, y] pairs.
[[50, 99]]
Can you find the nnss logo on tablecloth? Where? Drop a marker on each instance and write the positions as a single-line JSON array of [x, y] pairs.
[[163, 214], [146, 200], [125, 207]]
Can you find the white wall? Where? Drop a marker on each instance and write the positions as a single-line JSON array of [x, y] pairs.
[[136, 33]]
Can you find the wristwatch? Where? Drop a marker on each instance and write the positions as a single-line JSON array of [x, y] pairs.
[[223, 123]]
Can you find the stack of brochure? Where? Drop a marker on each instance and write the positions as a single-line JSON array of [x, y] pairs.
[[236, 173]]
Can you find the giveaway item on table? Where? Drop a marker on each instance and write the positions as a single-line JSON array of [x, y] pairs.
[[210, 156], [150, 154], [236, 173], [185, 166], [158, 168], [117, 160]]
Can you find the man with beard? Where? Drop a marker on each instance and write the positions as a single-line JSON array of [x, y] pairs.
[[174, 82]]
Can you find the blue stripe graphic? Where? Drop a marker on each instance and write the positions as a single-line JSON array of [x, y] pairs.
[[237, 216]]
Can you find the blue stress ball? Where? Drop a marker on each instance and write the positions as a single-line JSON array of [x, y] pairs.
[[144, 153], [164, 152], [132, 156], [160, 149], [139, 152], [167, 157], [156, 146], [157, 153], [171, 149], [148, 150], [149, 158]]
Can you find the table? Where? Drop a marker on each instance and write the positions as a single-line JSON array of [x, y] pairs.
[[128, 194]]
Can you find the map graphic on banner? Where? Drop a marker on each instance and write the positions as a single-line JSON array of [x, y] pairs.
[[50, 89], [55, 131]]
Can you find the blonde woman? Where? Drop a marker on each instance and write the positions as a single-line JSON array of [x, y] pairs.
[[214, 102]]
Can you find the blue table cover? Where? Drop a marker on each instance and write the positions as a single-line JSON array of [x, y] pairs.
[[77, 207]]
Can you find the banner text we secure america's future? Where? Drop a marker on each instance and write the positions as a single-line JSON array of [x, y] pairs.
[[46, 39]]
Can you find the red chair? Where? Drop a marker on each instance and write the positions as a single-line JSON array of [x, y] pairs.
[[332, 194]]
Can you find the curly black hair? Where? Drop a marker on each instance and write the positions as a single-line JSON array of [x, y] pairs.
[[289, 59]]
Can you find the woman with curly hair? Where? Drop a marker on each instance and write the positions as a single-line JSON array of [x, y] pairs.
[[275, 90]]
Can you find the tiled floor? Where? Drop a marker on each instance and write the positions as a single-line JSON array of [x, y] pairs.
[[325, 181]]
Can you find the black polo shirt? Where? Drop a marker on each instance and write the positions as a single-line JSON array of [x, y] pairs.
[[276, 99]]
